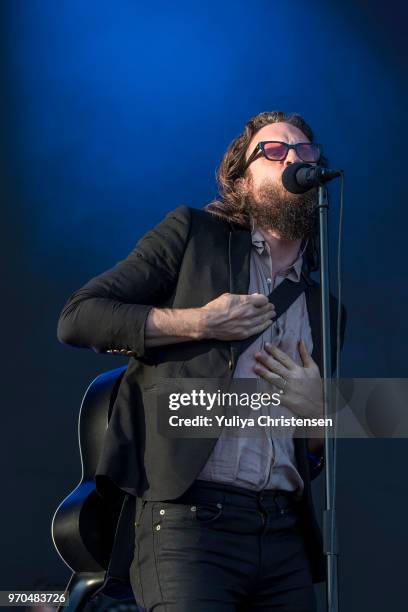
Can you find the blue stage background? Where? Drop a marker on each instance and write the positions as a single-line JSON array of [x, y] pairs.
[[115, 113]]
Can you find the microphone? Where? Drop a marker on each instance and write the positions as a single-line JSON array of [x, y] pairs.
[[300, 177]]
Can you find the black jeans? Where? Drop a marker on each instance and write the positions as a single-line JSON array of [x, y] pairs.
[[221, 548]]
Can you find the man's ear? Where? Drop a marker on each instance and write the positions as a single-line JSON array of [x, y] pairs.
[[241, 185]]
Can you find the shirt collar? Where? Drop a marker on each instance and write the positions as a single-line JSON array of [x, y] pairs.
[[260, 245]]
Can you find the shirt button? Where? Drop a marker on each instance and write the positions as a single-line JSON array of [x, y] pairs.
[[230, 364]]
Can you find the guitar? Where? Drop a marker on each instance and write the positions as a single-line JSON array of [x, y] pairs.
[[84, 524]]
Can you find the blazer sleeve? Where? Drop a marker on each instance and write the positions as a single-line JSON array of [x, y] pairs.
[[109, 313]]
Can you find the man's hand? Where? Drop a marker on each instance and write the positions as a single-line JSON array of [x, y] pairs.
[[302, 385], [228, 317], [236, 317]]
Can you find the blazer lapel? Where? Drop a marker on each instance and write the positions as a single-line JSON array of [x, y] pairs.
[[239, 251]]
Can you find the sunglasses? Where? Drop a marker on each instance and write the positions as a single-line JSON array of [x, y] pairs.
[[277, 151]]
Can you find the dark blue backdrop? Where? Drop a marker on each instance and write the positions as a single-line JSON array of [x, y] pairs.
[[114, 113]]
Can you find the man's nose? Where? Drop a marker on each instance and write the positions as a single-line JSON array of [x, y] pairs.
[[292, 157]]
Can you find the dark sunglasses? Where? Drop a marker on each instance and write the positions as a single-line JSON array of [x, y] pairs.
[[277, 151]]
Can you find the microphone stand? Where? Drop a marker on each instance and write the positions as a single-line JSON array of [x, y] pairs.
[[329, 522]]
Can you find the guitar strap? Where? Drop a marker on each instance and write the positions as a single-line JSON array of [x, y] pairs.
[[282, 297]]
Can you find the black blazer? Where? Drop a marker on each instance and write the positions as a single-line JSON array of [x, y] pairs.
[[188, 259]]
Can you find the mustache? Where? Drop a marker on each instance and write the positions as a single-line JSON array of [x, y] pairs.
[[278, 193]]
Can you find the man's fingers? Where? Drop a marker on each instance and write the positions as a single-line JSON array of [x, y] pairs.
[[271, 364], [258, 299], [259, 328], [258, 307], [304, 354], [280, 356], [267, 309], [259, 320], [267, 375]]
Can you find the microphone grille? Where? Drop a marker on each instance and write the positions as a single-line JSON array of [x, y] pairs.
[[289, 178]]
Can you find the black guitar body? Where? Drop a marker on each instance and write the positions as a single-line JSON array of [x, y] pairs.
[[83, 526]]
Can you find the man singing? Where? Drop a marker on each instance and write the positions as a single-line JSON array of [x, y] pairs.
[[226, 523]]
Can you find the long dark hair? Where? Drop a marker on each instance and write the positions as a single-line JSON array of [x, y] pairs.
[[230, 205]]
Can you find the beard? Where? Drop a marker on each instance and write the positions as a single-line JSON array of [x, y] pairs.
[[294, 216]]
